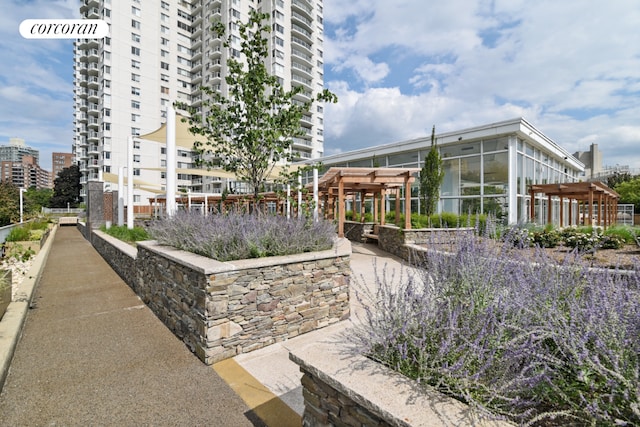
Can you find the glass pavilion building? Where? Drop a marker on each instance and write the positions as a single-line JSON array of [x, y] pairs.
[[487, 169]]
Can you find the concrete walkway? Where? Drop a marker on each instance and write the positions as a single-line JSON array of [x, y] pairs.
[[93, 354]]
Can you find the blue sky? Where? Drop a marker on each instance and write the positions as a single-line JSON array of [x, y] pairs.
[[571, 68]]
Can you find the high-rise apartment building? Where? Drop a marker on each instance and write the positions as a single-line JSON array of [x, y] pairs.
[[59, 161], [163, 51], [16, 150]]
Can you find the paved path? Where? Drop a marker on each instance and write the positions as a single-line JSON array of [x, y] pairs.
[[92, 353]]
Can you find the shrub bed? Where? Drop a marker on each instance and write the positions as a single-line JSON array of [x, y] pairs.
[[242, 236], [525, 339]]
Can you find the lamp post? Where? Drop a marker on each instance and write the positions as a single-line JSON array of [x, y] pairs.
[[22, 190]]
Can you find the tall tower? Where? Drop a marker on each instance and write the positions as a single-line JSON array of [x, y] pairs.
[[160, 52]]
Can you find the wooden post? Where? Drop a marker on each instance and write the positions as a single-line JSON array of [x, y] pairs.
[[363, 194], [561, 212], [590, 207], [383, 194], [341, 203], [549, 220], [407, 203], [398, 206]]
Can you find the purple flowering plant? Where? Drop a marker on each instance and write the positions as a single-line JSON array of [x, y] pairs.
[[235, 236], [512, 334]]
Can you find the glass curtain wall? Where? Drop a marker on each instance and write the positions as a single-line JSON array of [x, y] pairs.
[[535, 166], [476, 177]]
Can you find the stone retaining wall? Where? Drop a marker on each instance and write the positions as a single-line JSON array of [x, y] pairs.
[[220, 309], [344, 389], [394, 239]]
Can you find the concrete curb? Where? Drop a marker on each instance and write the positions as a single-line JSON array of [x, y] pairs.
[[16, 314]]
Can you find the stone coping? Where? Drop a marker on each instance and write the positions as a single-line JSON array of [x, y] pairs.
[[341, 247], [122, 246], [16, 314], [393, 397]]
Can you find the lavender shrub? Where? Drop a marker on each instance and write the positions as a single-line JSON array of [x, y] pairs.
[[240, 236], [522, 339]]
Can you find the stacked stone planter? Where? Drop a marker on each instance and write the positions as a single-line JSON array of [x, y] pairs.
[[221, 309]]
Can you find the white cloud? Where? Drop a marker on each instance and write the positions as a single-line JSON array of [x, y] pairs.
[[36, 91], [571, 68]]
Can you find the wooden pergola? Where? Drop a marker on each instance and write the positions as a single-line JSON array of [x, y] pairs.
[[587, 194], [337, 184]]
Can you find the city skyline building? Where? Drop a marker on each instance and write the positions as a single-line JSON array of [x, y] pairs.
[[16, 149], [158, 53], [59, 161]]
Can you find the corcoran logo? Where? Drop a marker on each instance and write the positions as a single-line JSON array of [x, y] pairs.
[[64, 29]]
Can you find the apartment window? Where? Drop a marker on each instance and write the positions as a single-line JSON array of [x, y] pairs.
[[106, 112], [106, 155], [163, 150], [235, 13], [135, 37], [164, 42], [164, 77], [136, 158], [164, 90], [184, 61], [135, 131], [278, 28], [135, 104], [135, 64], [106, 169], [136, 145], [164, 17], [184, 15], [136, 172], [319, 109], [164, 53], [279, 41], [135, 51], [136, 197], [184, 84], [106, 69], [135, 24], [164, 5], [107, 41], [185, 27], [164, 29], [164, 65], [319, 53], [184, 49], [106, 84], [164, 102], [278, 54], [135, 117], [106, 56], [278, 15], [106, 13], [106, 126], [135, 11], [184, 72], [135, 77], [163, 175]]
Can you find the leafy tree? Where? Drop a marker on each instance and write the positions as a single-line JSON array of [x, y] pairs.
[[9, 203], [35, 199], [252, 128], [630, 192], [431, 177], [617, 178], [66, 188]]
